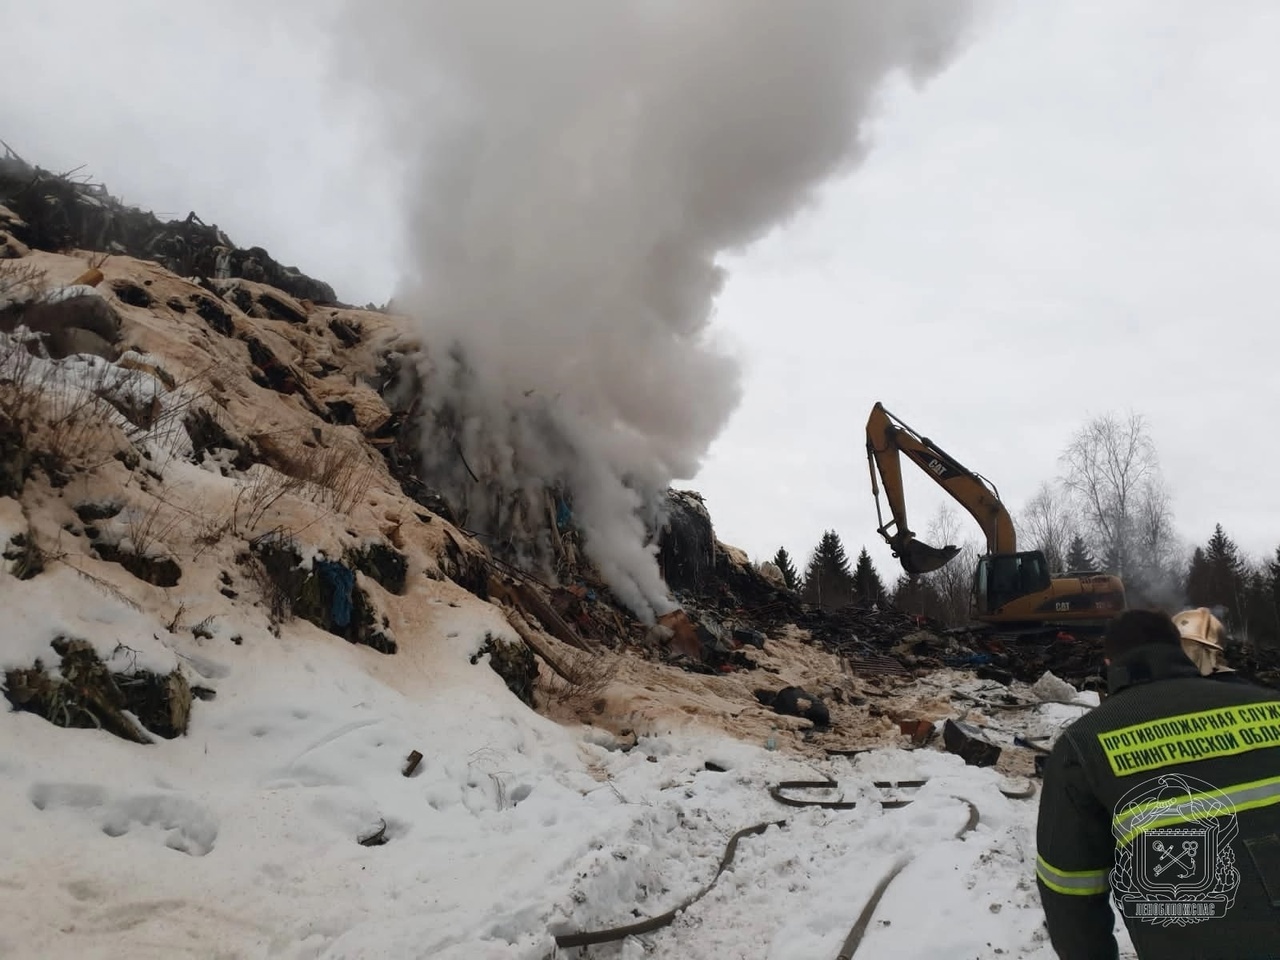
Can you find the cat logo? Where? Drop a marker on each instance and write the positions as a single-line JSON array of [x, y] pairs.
[[937, 467]]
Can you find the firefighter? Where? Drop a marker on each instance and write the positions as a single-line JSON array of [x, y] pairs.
[[1166, 800]]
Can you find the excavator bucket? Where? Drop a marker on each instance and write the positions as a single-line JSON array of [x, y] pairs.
[[918, 558]]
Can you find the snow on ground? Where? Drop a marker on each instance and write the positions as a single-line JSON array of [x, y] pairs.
[[240, 839]]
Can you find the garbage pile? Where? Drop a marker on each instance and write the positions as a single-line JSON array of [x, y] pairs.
[[58, 213], [891, 641], [1261, 665]]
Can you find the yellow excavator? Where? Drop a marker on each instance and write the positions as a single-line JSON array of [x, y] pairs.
[[1010, 588]]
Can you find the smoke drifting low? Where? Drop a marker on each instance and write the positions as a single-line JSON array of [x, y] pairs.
[[573, 169]]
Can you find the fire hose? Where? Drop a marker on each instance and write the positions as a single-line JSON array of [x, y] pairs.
[[590, 938]]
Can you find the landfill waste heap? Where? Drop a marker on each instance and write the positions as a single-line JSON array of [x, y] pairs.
[[138, 293]]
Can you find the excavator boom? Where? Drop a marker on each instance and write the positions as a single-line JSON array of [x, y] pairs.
[[888, 438]]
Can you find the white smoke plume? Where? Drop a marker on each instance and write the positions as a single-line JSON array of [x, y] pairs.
[[573, 169]]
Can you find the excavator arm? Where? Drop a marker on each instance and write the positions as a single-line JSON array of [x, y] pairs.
[[887, 439]]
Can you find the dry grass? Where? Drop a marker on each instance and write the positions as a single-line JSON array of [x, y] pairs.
[[262, 490], [162, 420], [106, 586], [58, 415], [77, 411], [336, 474], [339, 476], [149, 526], [21, 280]]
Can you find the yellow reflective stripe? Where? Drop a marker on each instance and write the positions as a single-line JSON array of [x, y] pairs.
[[1137, 820], [1073, 883], [1188, 737]]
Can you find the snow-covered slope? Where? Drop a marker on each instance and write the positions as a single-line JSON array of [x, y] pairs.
[[241, 838]]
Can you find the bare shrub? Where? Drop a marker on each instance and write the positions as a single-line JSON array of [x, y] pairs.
[[582, 679]]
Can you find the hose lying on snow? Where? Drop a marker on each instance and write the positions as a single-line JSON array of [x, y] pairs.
[[776, 792], [662, 920], [585, 939], [864, 919]]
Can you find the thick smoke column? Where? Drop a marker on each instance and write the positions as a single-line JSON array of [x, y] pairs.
[[573, 169]]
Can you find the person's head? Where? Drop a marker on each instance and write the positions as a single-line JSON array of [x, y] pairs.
[[1138, 628]]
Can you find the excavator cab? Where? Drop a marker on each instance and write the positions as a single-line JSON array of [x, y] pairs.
[[1004, 577]]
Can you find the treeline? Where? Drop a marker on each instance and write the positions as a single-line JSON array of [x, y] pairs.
[[1109, 512], [828, 581]]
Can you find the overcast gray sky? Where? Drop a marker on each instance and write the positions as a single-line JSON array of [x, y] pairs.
[[1078, 216]]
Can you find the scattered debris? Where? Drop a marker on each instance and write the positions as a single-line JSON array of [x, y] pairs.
[[1051, 689], [411, 763], [1018, 789], [796, 702], [920, 731], [326, 594], [375, 839], [968, 743]]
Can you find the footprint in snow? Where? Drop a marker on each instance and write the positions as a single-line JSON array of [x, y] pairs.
[[188, 827]]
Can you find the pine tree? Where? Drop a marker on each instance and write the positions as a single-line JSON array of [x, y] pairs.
[[828, 583], [782, 560], [1261, 619], [1112, 559], [1218, 576], [1079, 559], [1198, 589], [1226, 569], [1262, 604], [1273, 579], [868, 588]]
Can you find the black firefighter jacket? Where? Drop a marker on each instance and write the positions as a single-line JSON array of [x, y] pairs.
[[1166, 800]]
